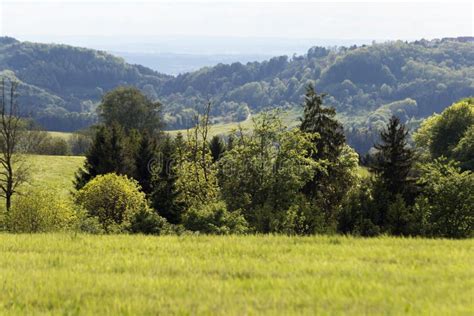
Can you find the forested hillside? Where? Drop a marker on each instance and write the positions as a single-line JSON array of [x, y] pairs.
[[61, 85]]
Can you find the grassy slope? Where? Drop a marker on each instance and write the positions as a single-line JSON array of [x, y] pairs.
[[56, 172], [64, 135], [289, 118], [67, 274]]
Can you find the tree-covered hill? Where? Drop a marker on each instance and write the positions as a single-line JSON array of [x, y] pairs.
[[427, 76], [62, 84]]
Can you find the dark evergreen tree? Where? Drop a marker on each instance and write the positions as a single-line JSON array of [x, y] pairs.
[[394, 190], [164, 193], [108, 153], [325, 188], [394, 159], [144, 159], [217, 147], [321, 120]]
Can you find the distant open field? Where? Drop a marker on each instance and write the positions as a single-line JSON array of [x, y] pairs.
[[63, 135], [235, 275], [289, 118]]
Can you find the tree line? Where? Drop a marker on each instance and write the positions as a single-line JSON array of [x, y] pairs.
[[306, 180], [268, 179]]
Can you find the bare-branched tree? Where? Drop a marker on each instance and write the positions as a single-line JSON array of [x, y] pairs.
[[13, 168]]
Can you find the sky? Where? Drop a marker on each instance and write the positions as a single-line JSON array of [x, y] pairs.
[[50, 20]]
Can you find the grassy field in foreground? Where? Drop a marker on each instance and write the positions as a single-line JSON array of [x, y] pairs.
[[108, 275]]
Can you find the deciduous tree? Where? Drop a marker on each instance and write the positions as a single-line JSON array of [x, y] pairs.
[[13, 170]]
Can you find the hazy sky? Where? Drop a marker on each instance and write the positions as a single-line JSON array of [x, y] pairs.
[[37, 20]]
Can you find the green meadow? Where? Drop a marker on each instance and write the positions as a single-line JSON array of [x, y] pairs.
[[236, 275], [54, 172], [79, 274]]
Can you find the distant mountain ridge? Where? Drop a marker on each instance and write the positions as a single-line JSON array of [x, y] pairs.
[[61, 85]]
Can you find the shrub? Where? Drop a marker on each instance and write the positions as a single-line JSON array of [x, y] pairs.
[[53, 146], [215, 219], [149, 223], [89, 224], [40, 211], [302, 218], [114, 200]]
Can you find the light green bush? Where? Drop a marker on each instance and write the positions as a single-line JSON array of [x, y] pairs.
[[38, 210], [115, 201]]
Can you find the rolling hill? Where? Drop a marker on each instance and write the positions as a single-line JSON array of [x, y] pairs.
[[61, 85]]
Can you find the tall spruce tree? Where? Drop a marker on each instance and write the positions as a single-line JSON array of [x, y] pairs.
[[324, 189], [321, 120], [164, 197], [144, 157], [107, 154], [217, 147], [394, 159]]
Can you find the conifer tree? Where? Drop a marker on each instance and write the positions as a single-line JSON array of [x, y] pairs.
[[217, 147], [327, 188], [321, 120], [164, 197], [144, 157], [394, 159], [107, 154]]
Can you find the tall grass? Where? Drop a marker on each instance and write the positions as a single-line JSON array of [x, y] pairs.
[[235, 275]]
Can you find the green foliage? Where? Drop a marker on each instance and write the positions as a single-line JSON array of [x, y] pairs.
[[370, 210], [214, 218], [447, 198], [359, 215], [217, 147], [196, 181], [327, 188], [62, 85], [165, 195], [54, 146], [302, 218], [265, 170], [89, 225], [449, 134], [115, 200], [110, 152], [149, 223], [394, 160], [464, 150], [143, 158], [39, 211], [321, 120], [131, 109]]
